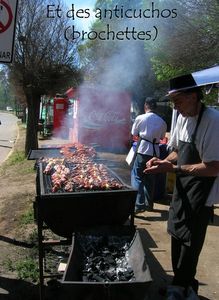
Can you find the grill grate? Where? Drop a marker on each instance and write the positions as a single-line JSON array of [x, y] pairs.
[[115, 182]]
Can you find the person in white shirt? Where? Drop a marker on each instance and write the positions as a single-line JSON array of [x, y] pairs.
[[195, 160], [149, 128]]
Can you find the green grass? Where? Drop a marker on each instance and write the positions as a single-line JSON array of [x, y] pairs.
[[15, 158], [18, 159], [27, 269], [27, 217], [9, 265]]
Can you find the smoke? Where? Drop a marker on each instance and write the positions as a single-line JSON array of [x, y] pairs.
[[120, 62], [116, 69], [105, 102], [122, 69]]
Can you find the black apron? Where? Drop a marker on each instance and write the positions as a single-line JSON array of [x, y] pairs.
[[190, 193]]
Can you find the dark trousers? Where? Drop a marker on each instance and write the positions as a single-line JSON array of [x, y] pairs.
[[185, 258], [144, 183]]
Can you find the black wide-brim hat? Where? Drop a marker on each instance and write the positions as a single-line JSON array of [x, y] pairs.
[[194, 80], [181, 83]]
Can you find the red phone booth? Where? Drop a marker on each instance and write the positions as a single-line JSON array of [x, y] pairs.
[[60, 120]]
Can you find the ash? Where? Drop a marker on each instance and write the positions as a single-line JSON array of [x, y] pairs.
[[105, 259]]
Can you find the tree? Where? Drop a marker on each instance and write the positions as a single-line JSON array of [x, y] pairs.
[[44, 61], [5, 95], [190, 41]]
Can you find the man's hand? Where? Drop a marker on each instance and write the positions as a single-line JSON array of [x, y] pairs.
[[156, 165]]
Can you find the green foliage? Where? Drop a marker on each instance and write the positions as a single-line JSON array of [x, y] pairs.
[[164, 72], [185, 44], [27, 218], [15, 158], [211, 99], [18, 158], [5, 91], [9, 265], [188, 43], [27, 269]]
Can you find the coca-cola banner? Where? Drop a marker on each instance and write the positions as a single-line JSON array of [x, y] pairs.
[[104, 118]]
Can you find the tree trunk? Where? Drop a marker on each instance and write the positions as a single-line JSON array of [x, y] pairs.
[[33, 105]]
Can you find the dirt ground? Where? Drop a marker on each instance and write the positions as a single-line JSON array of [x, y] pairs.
[[17, 194]]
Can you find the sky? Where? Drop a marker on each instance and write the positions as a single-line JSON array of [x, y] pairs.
[[79, 2], [82, 4]]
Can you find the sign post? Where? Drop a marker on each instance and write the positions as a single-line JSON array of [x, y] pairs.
[[8, 10]]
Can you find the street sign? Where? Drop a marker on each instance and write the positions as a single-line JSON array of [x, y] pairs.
[[8, 10]]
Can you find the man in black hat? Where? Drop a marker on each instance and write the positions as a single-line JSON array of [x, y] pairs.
[[195, 160], [149, 128]]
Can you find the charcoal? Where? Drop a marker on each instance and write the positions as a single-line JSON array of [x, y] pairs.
[[106, 252], [128, 274], [97, 278], [110, 276], [105, 259], [110, 261], [85, 278]]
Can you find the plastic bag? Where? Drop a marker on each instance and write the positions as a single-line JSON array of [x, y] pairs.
[[130, 158]]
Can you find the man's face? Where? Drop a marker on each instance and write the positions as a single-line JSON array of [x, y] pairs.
[[185, 103]]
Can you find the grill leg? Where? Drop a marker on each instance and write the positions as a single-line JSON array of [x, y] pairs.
[[41, 254], [132, 220], [41, 264]]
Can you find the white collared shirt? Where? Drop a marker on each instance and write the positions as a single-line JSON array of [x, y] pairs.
[[149, 126]]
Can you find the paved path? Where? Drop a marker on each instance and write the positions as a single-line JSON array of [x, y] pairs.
[[8, 133]]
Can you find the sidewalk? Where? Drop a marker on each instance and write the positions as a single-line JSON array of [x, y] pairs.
[[52, 142]]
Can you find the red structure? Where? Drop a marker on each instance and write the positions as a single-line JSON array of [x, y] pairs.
[[59, 117], [71, 93], [101, 118]]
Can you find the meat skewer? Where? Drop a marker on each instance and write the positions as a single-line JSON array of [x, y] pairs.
[[77, 171]]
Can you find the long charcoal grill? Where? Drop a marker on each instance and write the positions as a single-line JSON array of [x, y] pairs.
[[47, 152], [66, 213]]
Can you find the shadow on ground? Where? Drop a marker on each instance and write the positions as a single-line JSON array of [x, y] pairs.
[[16, 242], [15, 289]]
